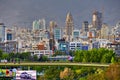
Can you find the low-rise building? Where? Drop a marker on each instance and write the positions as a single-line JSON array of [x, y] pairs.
[[41, 52], [75, 45], [9, 46], [103, 43], [78, 46]]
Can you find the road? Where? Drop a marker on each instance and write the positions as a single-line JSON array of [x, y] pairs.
[[54, 64]]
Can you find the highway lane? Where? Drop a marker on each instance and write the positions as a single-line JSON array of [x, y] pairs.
[[54, 64]]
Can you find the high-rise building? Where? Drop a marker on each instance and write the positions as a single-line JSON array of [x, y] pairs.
[[57, 33], [35, 25], [85, 26], [76, 34], [42, 24], [104, 31], [52, 26], [39, 25], [51, 40], [69, 27], [97, 20], [2, 32]]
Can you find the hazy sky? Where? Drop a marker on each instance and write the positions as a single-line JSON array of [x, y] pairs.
[[23, 12]]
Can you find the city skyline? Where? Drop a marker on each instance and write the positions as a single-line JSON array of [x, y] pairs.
[[24, 12]]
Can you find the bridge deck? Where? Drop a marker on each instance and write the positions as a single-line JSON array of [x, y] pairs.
[[54, 64]]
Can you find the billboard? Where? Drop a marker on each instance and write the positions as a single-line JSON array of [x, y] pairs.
[[26, 75], [7, 73]]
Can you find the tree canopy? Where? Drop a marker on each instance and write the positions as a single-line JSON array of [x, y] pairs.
[[100, 55]]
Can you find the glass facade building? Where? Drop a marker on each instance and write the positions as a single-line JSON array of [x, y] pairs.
[[57, 33]]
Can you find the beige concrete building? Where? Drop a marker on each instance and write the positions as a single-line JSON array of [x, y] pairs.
[[104, 32], [69, 27]]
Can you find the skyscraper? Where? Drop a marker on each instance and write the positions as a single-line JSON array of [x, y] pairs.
[[39, 25], [2, 32], [51, 40], [52, 26], [35, 25], [42, 24], [97, 20], [85, 26], [69, 27], [57, 33], [76, 34], [104, 31]]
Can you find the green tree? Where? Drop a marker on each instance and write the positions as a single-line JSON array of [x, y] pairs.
[[106, 58], [100, 53], [84, 60], [78, 56], [52, 73], [38, 68], [26, 56], [18, 55], [58, 52], [112, 60], [43, 58], [5, 56], [83, 78], [1, 52], [11, 55], [92, 56], [95, 55], [86, 56], [71, 53], [96, 77], [35, 57]]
